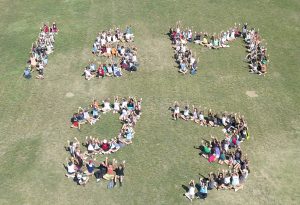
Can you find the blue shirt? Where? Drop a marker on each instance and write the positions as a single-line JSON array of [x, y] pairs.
[[129, 136], [95, 112], [203, 189], [26, 72], [90, 168]]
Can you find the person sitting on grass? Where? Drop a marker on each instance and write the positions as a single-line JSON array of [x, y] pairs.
[[71, 170], [105, 147], [176, 111], [114, 145], [206, 149], [183, 55], [112, 44], [41, 48], [102, 170], [90, 168], [186, 113], [257, 58], [82, 178], [27, 73], [202, 194], [130, 114], [119, 170], [110, 175], [116, 108], [106, 106], [74, 121], [40, 70], [195, 116], [190, 194], [87, 74], [80, 168]]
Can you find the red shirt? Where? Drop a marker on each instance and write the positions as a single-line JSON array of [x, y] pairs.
[[105, 146], [101, 71], [46, 29], [212, 158]]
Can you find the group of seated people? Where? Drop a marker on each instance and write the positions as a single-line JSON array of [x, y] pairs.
[[105, 42], [183, 55], [129, 110], [111, 44], [231, 179], [257, 57], [81, 166], [216, 41], [212, 119], [128, 61], [227, 151], [40, 49]]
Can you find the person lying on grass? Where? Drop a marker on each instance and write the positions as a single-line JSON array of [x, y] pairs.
[[40, 49]]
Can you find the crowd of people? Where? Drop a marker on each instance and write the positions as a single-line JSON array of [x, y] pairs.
[[257, 53], [81, 164], [257, 56], [40, 49], [114, 45], [183, 55], [224, 152]]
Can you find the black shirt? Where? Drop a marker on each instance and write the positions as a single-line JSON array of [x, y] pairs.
[[119, 171]]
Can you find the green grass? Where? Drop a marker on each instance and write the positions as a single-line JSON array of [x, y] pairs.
[[35, 114]]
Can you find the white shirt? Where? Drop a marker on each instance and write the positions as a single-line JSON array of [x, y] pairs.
[[124, 104], [102, 41], [176, 110], [227, 180], [106, 105], [87, 73], [186, 112], [71, 168], [134, 59], [108, 50], [201, 117], [86, 115], [224, 120], [191, 190], [117, 106], [90, 147]]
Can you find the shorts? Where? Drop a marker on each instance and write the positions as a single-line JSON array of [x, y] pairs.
[[203, 195], [108, 176]]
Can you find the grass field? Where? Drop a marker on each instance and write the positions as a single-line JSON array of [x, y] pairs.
[[35, 114]]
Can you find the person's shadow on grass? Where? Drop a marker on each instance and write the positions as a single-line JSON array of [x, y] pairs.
[[185, 188]]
